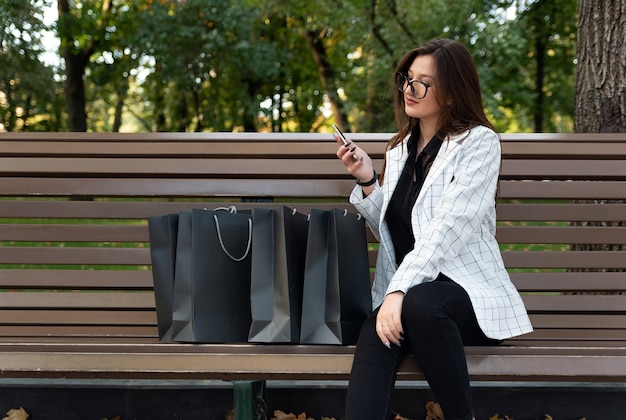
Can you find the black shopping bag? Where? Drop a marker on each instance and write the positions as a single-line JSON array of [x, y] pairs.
[[212, 277], [278, 256], [337, 296], [163, 232]]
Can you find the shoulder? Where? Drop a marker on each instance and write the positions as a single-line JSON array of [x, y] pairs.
[[480, 132]]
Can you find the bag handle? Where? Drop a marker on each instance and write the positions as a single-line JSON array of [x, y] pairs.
[[219, 237]]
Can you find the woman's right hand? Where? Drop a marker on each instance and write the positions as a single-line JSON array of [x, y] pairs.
[[357, 162]]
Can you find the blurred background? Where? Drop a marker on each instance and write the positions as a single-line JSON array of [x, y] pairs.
[[288, 65]]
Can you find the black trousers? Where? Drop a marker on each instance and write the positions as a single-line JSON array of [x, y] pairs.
[[438, 321]]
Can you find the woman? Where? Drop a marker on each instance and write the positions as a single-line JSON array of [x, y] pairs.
[[440, 282]]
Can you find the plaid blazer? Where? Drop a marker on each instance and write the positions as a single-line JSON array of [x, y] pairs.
[[454, 223]]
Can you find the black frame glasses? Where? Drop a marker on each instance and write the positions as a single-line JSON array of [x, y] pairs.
[[402, 80]]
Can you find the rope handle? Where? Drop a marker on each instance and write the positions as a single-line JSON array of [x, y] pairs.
[[219, 237]]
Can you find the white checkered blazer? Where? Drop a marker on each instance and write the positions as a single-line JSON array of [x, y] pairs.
[[454, 223]]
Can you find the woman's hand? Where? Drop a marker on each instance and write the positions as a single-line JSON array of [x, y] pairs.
[[356, 161], [388, 320]]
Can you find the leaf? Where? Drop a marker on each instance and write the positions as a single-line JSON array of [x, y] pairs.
[[16, 414], [433, 411], [281, 415]]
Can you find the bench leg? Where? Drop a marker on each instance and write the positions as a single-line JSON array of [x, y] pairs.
[[249, 398]]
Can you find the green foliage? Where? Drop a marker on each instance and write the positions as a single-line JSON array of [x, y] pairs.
[[212, 65], [28, 91]]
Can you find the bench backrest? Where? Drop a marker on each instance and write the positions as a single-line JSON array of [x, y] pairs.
[[75, 258]]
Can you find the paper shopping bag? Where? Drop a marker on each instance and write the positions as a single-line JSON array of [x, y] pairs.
[[212, 277], [336, 296], [278, 256], [163, 233]]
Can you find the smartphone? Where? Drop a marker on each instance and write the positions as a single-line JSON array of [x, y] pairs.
[[343, 138]]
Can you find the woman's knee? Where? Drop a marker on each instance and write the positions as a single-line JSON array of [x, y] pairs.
[[422, 302], [367, 334]]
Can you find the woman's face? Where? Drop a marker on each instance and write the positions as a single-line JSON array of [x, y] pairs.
[[427, 108]]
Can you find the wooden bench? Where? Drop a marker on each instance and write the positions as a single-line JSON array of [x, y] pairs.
[[76, 297]]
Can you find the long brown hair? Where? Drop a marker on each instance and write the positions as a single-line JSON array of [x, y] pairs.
[[458, 91]]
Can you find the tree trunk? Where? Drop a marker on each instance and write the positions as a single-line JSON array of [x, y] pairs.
[[75, 63], [327, 76], [600, 105], [601, 70]]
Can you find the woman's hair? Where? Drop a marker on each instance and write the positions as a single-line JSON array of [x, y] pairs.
[[458, 90]]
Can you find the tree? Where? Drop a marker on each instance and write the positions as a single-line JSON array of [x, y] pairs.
[[28, 91], [601, 79], [601, 70], [222, 65]]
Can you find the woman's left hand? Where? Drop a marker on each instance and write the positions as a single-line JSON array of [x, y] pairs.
[[388, 320]]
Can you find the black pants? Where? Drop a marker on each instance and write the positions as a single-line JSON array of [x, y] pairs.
[[438, 320]]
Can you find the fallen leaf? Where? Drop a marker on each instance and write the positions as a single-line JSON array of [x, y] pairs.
[[16, 414], [281, 415], [433, 411]]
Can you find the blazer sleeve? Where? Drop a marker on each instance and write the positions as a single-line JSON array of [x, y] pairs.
[[370, 207], [464, 204]]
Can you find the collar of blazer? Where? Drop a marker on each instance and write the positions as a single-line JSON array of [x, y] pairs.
[[397, 157]]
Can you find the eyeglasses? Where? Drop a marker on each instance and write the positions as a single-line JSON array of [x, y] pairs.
[[419, 89]]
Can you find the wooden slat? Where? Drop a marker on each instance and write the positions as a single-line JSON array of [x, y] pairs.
[[561, 235], [570, 281], [75, 256], [223, 149], [88, 300], [575, 321], [46, 317], [586, 150], [532, 138], [106, 362], [73, 233], [142, 209], [568, 212], [540, 169], [163, 167], [562, 190], [563, 169], [49, 334], [572, 334], [164, 187], [75, 279], [565, 259], [575, 303]]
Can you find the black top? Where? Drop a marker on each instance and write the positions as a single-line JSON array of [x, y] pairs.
[[398, 216]]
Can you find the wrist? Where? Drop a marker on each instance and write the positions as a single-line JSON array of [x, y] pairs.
[[369, 182]]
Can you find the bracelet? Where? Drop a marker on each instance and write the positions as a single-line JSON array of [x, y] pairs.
[[370, 182]]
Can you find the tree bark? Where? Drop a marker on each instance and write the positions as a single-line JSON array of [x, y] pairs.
[[600, 105], [75, 65]]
